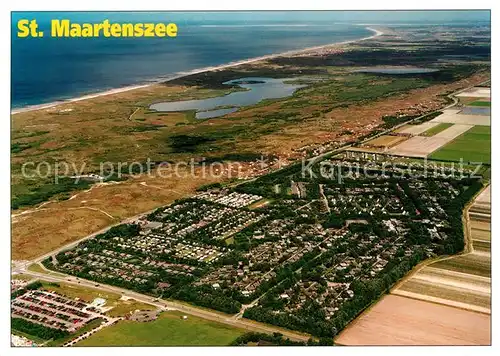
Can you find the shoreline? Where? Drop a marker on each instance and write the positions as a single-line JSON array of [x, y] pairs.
[[376, 33]]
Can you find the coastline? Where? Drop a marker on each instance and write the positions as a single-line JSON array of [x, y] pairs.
[[376, 33]]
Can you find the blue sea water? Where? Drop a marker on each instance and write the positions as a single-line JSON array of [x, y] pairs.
[[49, 69]]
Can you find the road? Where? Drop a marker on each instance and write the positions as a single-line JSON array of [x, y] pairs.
[[168, 304]]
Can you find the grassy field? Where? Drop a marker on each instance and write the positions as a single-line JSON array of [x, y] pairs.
[[473, 146], [436, 129], [168, 330], [480, 103]]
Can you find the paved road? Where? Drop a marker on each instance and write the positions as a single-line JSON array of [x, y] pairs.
[[168, 304]]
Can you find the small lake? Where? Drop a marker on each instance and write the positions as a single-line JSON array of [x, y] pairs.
[[398, 70], [257, 89]]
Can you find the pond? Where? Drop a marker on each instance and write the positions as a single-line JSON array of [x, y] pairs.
[[257, 89], [398, 70]]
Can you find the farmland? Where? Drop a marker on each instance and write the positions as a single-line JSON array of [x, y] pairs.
[[398, 320], [472, 146], [417, 129], [480, 103], [463, 281], [436, 129], [443, 286], [464, 117], [385, 141], [170, 329]]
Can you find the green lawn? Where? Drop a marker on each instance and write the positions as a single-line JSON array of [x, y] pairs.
[[480, 103], [473, 146], [168, 330], [437, 129]]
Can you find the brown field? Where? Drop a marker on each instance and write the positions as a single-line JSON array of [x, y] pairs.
[[453, 116], [418, 129], [418, 146], [481, 235], [476, 262], [480, 225], [421, 146], [462, 290], [477, 92], [386, 141], [484, 197], [38, 231], [398, 320]]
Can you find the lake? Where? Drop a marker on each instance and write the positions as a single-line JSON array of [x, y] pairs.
[[257, 89]]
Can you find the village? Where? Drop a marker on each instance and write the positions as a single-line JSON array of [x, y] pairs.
[[274, 253]]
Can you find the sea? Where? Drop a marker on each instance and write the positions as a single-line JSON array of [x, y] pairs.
[[50, 69]]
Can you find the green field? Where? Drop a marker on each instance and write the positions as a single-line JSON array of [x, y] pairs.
[[168, 330], [437, 129], [480, 103], [473, 146]]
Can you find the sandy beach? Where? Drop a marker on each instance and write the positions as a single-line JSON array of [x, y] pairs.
[[376, 33]]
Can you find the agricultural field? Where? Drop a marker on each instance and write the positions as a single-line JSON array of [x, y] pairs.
[[480, 103], [477, 92], [472, 146], [385, 141], [417, 129], [477, 263], [422, 146], [440, 285], [397, 320], [170, 329], [460, 116], [437, 128]]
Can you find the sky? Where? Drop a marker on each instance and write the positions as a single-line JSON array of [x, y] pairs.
[[434, 17]]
